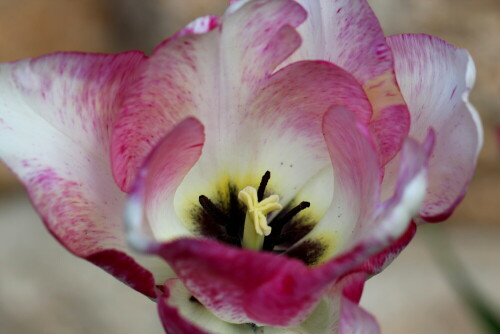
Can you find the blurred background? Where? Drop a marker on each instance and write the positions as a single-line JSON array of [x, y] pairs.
[[43, 289]]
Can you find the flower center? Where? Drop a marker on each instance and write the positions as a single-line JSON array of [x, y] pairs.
[[245, 222]]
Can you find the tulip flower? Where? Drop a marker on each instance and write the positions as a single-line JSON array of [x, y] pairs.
[[268, 161]]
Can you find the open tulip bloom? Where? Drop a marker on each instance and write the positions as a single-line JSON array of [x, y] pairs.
[[266, 162]]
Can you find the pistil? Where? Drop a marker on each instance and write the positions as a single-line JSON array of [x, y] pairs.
[[256, 227]]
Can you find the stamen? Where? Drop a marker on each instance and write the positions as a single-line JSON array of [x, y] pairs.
[[263, 185], [213, 211], [290, 214], [279, 222]]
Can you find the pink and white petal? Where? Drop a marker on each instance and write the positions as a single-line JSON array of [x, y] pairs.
[[201, 25], [155, 102], [236, 4], [150, 214], [280, 131], [352, 286], [173, 322], [348, 34], [334, 311], [55, 117], [435, 79], [257, 38], [394, 216], [379, 261], [324, 319], [355, 320], [241, 286], [390, 219], [181, 313], [351, 318], [130, 270], [211, 76], [357, 175]]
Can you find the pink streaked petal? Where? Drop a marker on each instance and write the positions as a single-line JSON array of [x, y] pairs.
[[411, 180], [126, 269], [326, 317], [355, 163], [180, 313], [280, 131], [173, 321], [348, 34], [435, 79], [353, 285], [255, 35], [201, 25], [232, 2], [343, 298], [150, 213], [355, 320], [395, 215], [357, 176], [379, 261], [323, 320], [389, 129], [204, 75], [243, 286], [391, 218], [310, 85], [56, 114]]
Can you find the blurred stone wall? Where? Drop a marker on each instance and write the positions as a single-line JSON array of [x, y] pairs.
[[30, 28]]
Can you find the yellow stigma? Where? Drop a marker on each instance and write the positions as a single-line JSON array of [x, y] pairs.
[[256, 227]]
